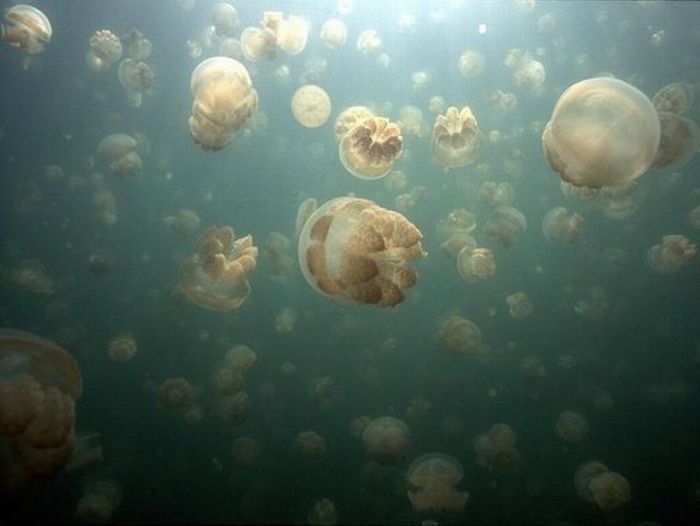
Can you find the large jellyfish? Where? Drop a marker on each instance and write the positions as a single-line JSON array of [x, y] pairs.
[[457, 139], [387, 440], [432, 482], [370, 148], [39, 384], [224, 98], [680, 140], [348, 118], [311, 106], [671, 254], [352, 248], [119, 152], [26, 28], [594, 482], [560, 226], [602, 132], [216, 276], [105, 50]]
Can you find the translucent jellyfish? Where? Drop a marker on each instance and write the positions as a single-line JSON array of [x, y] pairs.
[[594, 482], [184, 222], [436, 104], [458, 335], [119, 153], [310, 445], [122, 348], [26, 28], [349, 118], [224, 99], [224, 18], [676, 97], [370, 148], [105, 50], [396, 181], [285, 320], [193, 48], [353, 249], [175, 396], [673, 252], [106, 204], [457, 139], [458, 221], [138, 47], [475, 264], [680, 139], [137, 78], [314, 69], [99, 500], [39, 385], [419, 80], [292, 34], [560, 226], [457, 242], [603, 132], [334, 33], [30, 275], [323, 513], [411, 121], [571, 427], [471, 63], [694, 218], [259, 44], [519, 305], [505, 225], [234, 408], [433, 480], [622, 201], [496, 451], [369, 43], [87, 453], [578, 192], [387, 440], [502, 102], [306, 209], [530, 75], [216, 276], [496, 194], [240, 358], [311, 106]]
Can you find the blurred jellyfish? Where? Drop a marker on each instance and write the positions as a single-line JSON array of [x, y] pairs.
[[306, 209], [387, 440], [122, 348], [138, 47], [334, 33], [457, 223], [224, 18], [546, 23], [369, 149], [323, 513], [458, 335], [457, 139], [505, 225], [471, 63], [259, 44], [311, 106], [314, 68], [245, 452], [30, 275], [673, 252], [310, 446], [419, 80], [99, 500], [231, 47], [680, 140], [292, 35], [433, 480], [86, 455], [137, 78], [100, 261], [26, 28], [560, 226], [234, 408], [224, 99], [496, 194], [475, 264], [622, 201], [352, 248], [571, 427], [594, 482], [411, 121], [175, 396], [105, 50], [285, 320], [408, 200], [276, 33], [349, 118], [240, 358], [530, 76], [369, 43], [694, 218], [595, 307], [119, 153], [602, 132], [519, 305], [436, 104], [502, 102], [676, 97], [585, 193], [193, 48], [658, 38], [496, 451], [105, 202], [184, 222]]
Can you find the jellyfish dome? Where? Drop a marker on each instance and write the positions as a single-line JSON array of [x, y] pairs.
[[457, 139], [680, 140], [311, 106], [26, 28], [387, 439], [432, 480], [370, 148]]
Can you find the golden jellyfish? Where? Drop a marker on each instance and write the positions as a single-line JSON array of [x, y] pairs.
[[396, 181], [39, 385], [495, 450], [138, 47], [175, 396], [387, 440], [419, 80], [433, 480], [224, 18], [234, 408], [30, 275], [560, 226], [622, 201], [311, 106], [595, 483], [457, 139], [306, 210], [571, 427], [411, 121], [240, 358], [259, 44], [137, 78], [352, 248], [100, 499], [436, 104], [119, 152], [310, 445], [227, 380], [458, 335], [530, 76], [458, 242], [496, 194], [505, 225], [694, 218], [475, 264], [458, 221], [680, 139], [369, 43], [502, 102], [673, 252], [224, 99], [323, 513], [519, 305], [676, 97], [184, 222], [26, 28], [334, 33], [245, 452], [471, 63], [603, 132], [369, 149], [292, 34], [122, 348], [349, 118], [105, 50]]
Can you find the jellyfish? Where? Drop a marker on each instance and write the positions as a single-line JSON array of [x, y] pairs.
[[603, 132], [571, 427], [39, 385], [334, 33], [30, 275], [458, 221], [471, 63], [184, 222], [496, 194], [680, 139], [419, 80], [457, 139], [234, 408], [224, 99], [245, 452], [595, 483], [411, 121], [457, 242], [323, 513], [673, 252], [285, 320], [353, 249], [496, 451], [433, 480], [395, 181], [26, 28], [349, 118], [224, 18], [569, 191], [193, 48], [458, 335], [676, 97], [369, 43], [240, 358], [436, 104], [122, 348], [502, 102], [474, 263], [137, 78], [694, 218], [98, 502], [119, 153], [387, 440], [292, 34], [175, 396], [86, 455], [138, 47], [506, 225], [560, 226], [105, 202], [311, 106], [622, 201], [306, 209], [310, 445], [370, 148], [530, 75], [105, 50], [519, 305], [314, 69], [259, 44]]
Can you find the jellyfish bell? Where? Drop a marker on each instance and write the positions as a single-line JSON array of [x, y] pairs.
[[680, 140], [311, 106], [471, 63], [432, 480], [671, 254], [595, 483], [348, 118], [224, 18], [27, 28], [505, 226], [137, 78], [560, 226], [458, 335], [571, 427], [258, 44], [292, 35], [387, 440], [138, 47], [676, 97], [105, 50], [603, 132], [369, 42], [370, 148], [118, 151], [306, 209], [457, 139], [334, 33]]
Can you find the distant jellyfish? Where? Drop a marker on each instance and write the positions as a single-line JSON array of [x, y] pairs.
[[224, 18], [519, 305], [348, 118], [240, 358], [387, 440], [285, 320], [602, 132], [680, 140], [676, 97], [475, 264], [458, 335], [245, 452], [621, 201], [323, 513], [119, 152], [175, 396], [694, 218], [457, 139], [436, 104], [311, 106], [105, 50], [234, 408], [26, 28], [496, 451], [292, 34], [396, 181], [571, 427], [137, 78], [87, 454], [505, 225], [496, 194], [560, 226], [138, 47], [370, 148], [369, 43], [419, 80], [30, 275], [595, 483], [184, 222], [411, 121], [502, 102], [433, 480], [353, 249], [99, 500], [259, 44], [471, 63], [530, 75], [122, 348], [671, 254], [334, 33], [216, 276], [310, 446]]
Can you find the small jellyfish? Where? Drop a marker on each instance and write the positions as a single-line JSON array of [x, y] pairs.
[[457, 139], [98, 502], [673, 252], [245, 452], [311, 106], [334, 33], [560, 226], [676, 97], [571, 427], [530, 75], [87, 454], [224, 18], [680, 140], [137, 78], [502, 102], [122, 348], [471, 64], [475, 264], [259, 44], [138, 47], [496, 451], [349, 118], [395, 181], [240, 358], [595, 483], [458, 335], [105, 50], [505, 225], [193, 48], [119, 152], [603, 132], [694, 218], [26, 28], [323, 513], [496, 194], [369, 43], [519, 305], [370, 148], [310, 446], [30, 275], [436, 104], [175, 396], [234, 408], [433, 480], [285, 320], [411, 121], [419, 80], [184, 222], [387, 440], [292, 34]]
